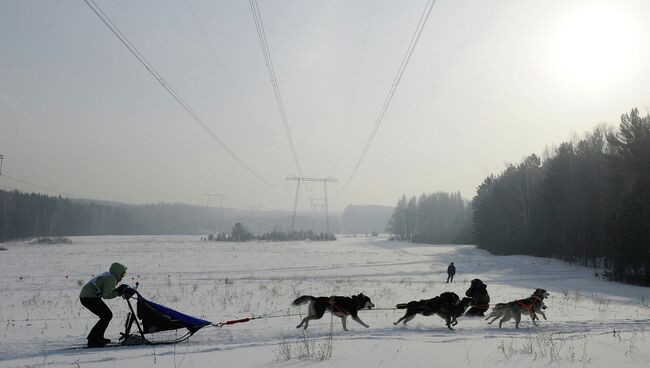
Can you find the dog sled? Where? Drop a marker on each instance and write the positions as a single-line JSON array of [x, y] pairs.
[[157, 324]]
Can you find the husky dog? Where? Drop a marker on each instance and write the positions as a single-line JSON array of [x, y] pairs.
[[449, 312], [532, 305], [447, 306], [340, 306], [425, 307], [480, 298]]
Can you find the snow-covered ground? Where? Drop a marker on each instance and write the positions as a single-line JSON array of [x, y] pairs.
[[591, 322]]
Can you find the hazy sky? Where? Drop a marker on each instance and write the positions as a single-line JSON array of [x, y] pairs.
[[489, 82]]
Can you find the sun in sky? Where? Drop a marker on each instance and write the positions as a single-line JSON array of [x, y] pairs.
[[595, 45]]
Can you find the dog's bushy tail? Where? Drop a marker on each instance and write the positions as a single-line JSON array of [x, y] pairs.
[[401, 306], [302, 300], [497, 310]]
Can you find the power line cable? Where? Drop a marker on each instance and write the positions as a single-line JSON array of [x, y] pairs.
[[359, 64], [207, 40], [357, 77], [391, 92], [261, 34], [34, 185], [150, 68]]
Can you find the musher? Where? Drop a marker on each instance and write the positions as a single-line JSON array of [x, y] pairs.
[[102, 286]]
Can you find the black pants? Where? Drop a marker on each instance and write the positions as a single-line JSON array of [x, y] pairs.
[[450, 277], [99, 308]]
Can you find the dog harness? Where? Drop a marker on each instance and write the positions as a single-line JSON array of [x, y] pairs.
[[333, 305], [529, 306]]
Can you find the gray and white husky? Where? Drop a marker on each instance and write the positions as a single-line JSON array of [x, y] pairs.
[[532, 305]]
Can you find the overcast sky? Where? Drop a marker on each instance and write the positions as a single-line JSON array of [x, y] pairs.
[[489, 83]]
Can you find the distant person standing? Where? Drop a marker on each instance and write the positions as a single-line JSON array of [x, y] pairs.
[[451, 271]]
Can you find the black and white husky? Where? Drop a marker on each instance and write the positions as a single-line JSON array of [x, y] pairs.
[[340, 306], [448, 306], [531, 305]]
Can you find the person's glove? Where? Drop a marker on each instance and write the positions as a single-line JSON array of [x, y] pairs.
[[128, 292], [125, 291], [120, 289]]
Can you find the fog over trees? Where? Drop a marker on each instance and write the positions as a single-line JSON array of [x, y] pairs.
[[438, 218], [358, 219], [26, 215], [587, 201]]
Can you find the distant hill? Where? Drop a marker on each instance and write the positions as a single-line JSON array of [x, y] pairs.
[[365, 219], [25, 215]]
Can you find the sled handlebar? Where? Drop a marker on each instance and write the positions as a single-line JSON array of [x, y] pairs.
[[127, 291]]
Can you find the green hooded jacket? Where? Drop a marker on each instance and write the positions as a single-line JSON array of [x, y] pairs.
[[103, 286]]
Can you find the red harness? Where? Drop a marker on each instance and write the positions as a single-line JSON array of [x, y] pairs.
[[528, 303]]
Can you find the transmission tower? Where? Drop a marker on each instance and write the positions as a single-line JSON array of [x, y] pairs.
[[1, 158], [298, 179], [318, 205], [221, 197], [255, 220]]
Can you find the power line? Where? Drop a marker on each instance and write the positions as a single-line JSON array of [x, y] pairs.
[[26, 182], [359, 64], [357, 77], [261, 34], [150, 68], [207, 40], [391, 92], [221, 197], [8, 188], [35, 185]]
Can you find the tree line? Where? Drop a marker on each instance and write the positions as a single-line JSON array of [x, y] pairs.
[[26, 215], [29, 215], [432, 218], [586, 201], [241, 233]]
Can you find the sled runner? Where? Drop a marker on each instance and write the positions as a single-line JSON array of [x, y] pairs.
[[152, 318]]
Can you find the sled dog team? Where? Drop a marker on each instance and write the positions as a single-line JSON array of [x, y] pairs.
[[447, 306]]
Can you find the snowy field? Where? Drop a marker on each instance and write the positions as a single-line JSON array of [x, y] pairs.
[[592, 323]]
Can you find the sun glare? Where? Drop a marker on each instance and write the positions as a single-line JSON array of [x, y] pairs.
[[594, 47]]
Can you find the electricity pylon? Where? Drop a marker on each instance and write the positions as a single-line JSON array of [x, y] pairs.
[[220, 196], [298, 179]]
